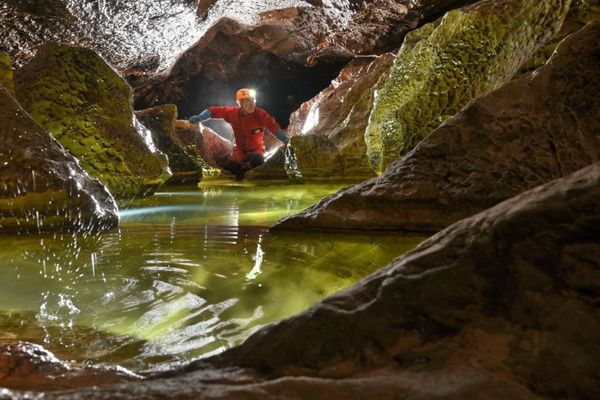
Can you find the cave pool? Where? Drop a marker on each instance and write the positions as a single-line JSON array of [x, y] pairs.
[[191, 272]]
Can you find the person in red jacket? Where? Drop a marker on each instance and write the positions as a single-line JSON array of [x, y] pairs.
[[249, 124]]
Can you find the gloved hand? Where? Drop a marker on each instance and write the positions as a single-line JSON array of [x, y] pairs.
[[195, 119], [280, 134], [203, 116]]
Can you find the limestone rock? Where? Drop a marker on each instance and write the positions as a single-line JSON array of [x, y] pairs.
[[203, 7], [161, 123], [379, 26], [340, 114], [42, 186], [443, 66], [289, 51], [27, 25], [274, 167], [141, 36], [87, 107], [477, 311], [496, 287], [528, 132], [29, 366], [317, 157], [6, 73], [580, 13], [205, 146]]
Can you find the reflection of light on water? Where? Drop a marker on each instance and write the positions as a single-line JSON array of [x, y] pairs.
[[258, 260], [154, 210], [195, 275]]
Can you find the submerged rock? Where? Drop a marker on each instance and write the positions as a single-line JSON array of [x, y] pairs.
[[339, 116], [6, 73], [161, 122], [87, 107], [528, 132], [28, 366], [443, 66], [42, 186], [477, 311]]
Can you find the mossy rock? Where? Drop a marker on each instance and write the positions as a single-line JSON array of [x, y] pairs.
[[580, 13], [316, 157], [444, 65], [42, 186], [87, 107], [160, 121], [6, 73], [340, 114]]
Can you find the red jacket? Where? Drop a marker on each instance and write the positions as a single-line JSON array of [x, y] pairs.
[[248, 129]]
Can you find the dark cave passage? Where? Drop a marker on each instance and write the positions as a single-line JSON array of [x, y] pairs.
[[281, 86]]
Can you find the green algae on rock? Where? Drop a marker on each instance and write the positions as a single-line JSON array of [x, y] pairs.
[[87, 107], [160, 121], [337, 117], [580, 13], [6, 73], [466, 54], [42, 186], [528, 132]]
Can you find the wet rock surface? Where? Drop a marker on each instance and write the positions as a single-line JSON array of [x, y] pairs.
[[443, 66], [274, 167], [161, 123], [28, 366], [339, 115], [528, 132], [42, 186], [87, 107], [477, 311], [205, 146], [580, 13], [140, 36], [6, 73]]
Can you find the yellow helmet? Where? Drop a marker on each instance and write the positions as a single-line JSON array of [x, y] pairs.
[[245, 93]]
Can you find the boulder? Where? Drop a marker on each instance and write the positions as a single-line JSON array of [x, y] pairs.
[[274, 167], [477, 311], [28, 366], [339, 116], [530, 131], [87, 107], [205, 146], [491, 292], [580, 13], [443, 66], [160, 121], [6, 73], [42, 186]]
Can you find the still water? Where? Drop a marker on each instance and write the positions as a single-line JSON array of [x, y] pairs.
[[190, 273]]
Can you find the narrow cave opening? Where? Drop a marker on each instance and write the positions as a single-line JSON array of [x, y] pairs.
[[281, 86]]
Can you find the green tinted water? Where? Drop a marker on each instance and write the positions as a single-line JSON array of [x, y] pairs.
[[190, 273]]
